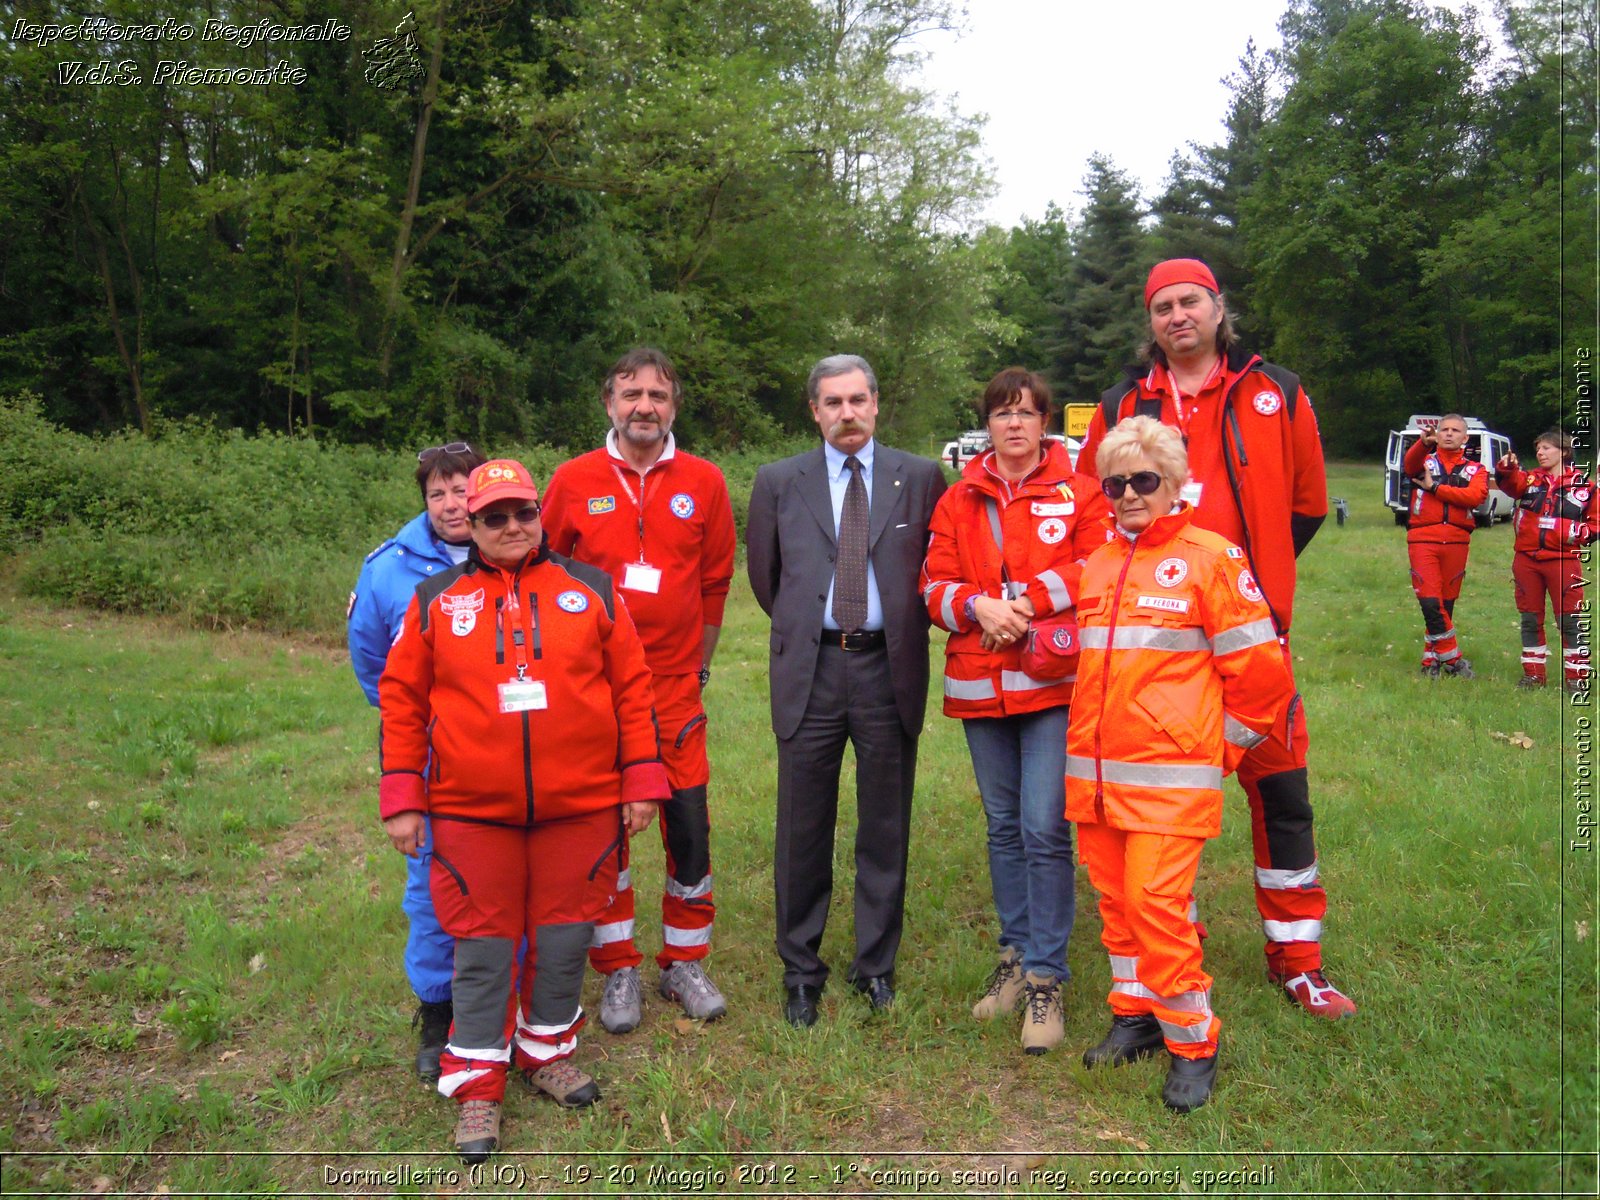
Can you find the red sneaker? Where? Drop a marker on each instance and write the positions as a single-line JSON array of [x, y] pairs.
[[1312, 992]]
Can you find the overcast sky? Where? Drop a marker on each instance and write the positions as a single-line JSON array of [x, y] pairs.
[[1134, 79]]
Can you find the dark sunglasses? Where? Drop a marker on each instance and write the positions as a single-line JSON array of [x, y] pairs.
[[1144, 482], [499, 520], [447, 448]]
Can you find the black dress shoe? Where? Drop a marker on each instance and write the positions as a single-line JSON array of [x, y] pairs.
[[434, 1022], [1189, 1083], [879, 989], [1130, 1039], [800, 1004]]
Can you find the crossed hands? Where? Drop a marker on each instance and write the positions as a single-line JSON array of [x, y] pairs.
[[1004, 622]]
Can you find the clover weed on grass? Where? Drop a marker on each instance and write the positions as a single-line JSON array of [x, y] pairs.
[[202, 943]]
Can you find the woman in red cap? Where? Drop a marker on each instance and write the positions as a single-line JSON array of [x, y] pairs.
[[517, 713]]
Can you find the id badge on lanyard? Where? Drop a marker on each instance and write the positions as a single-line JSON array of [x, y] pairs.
[[639, 576], [523, 695]]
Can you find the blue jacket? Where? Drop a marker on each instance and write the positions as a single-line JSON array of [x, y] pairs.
[[388, 579]]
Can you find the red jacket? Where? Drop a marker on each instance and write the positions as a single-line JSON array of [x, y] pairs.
[[1444, 514], [1556, 514], [1254, 451], [448, 749], [1049, 522], [1181, 673], [591, 512]]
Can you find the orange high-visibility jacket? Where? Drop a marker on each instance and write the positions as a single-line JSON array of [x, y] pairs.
[[1557, 513], [1181, 673], [440, 703], [1047, 537], [1444, 514], [591, 511]]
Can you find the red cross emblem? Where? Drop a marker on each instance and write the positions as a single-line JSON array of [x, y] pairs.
[[1170, 572]]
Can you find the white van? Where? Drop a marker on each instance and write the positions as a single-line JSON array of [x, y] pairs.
[[1483, 446]]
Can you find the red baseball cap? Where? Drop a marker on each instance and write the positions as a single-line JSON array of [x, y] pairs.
[[1178, 270], [499, 479]]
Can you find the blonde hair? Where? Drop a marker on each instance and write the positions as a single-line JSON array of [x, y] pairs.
[[1135, 436]]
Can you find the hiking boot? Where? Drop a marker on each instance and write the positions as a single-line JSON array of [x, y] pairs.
[[563, 1083], [1004, 991], [1430, 670], [1461, 668], [620, 1002], [1042, 1025], [1130, 1039], [477, 1130], [686, 983], [1189, 1082], [1529, 683], [1573, 686], [433, 1024], [1312, 992]]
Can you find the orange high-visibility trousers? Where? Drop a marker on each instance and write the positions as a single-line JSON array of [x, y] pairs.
[[1144, 881], [1437, 569]]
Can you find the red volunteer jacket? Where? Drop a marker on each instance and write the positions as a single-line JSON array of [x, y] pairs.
[[1444, 514], [448, 749], [591, 512], [1556, 515], [1050, 523], [1254, 450]]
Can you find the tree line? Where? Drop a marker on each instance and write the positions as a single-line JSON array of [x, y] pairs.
[[463, 211]]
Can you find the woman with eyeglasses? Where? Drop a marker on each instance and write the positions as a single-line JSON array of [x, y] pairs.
[[517, 715], [1180, 674], [434, 541], [1005, 547]]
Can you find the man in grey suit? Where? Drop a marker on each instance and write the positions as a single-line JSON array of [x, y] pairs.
[[836, 539]]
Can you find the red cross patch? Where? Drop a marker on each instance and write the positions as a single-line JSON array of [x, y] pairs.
[[1170, 572]]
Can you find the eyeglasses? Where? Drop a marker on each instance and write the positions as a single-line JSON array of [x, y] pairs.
[[499, 520], [1143, 483], [447, 448], [1006, 415]]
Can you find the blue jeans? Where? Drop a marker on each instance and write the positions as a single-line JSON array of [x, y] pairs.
[[1020, 762], [430, 951]]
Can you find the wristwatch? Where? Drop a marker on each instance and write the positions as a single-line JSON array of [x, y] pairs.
[[705, 675], [969, 610]]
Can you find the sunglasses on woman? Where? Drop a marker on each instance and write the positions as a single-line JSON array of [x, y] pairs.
[[1143, 483], [499, 520], [447, 448]]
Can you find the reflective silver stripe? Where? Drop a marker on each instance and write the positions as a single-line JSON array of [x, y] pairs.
[[1021, 681], [560, 1030], [617, 931], [947, 606], [1292, 931], [1127, 988], [686, 891], [1240, 734], [1450, 654], [1194, 912], [1197, 1033], [1056, 588], [497, 1054], [1438, 637], [1195, 1002], [674, 936], [451, 1081], [1266, 877], [1123, 966], [544, 1051], [1242, 637], [969, 689], [1155, 775], [1014, 588], [624, 879], [1145, 637]]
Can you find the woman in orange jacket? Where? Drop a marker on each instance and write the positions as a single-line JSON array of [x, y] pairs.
[[1181, 673], [1005, 547], [517, 713]]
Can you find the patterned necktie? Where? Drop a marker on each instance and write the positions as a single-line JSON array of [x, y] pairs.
[[850, 578]]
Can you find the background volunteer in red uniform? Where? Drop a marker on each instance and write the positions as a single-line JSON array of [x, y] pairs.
[[516, 713], [1446, 487], [1557, 514], [1181, 673], [1256, 477], [659, 522]]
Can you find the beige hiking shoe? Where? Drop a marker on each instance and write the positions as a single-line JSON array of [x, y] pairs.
[[1005, 987], [563, 1083], [477, 1130], [1042, 1022]]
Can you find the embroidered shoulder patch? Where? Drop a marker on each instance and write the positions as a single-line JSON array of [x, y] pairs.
[[601, 504], [572, 602]]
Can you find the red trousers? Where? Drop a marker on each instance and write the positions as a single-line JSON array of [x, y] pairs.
[[1144, 881], [1560, 579], [1437, 569], [687, 905], [493, 885]]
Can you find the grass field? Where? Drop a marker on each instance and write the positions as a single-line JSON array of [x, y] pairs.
[[200, 951]]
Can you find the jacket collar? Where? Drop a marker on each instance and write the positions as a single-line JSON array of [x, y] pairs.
[[476, 562], [1163, 529], [417, 537]]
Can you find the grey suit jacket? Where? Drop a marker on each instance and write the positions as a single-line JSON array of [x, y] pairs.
[[792, 545]]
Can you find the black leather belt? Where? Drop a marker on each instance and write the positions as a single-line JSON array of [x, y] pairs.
[[865, 639]]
